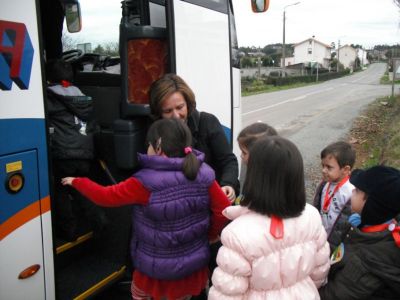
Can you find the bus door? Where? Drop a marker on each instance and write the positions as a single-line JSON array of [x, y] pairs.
[[21, 237], [26, 254], [200, 54]]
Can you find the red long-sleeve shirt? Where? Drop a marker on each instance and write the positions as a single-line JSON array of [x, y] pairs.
[[132, 191]]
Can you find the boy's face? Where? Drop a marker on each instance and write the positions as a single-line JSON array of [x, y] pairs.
[[358, 199], [331, 171], [244, 155]]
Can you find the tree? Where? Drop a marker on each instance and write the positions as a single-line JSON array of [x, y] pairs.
[[68, 42], [267, 61], [397, 2], [98, 50], [111, 48], [246, 62]]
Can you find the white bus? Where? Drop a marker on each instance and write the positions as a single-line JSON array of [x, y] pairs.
[[193, 38]]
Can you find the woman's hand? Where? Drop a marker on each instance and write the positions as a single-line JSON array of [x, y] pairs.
[[67, 180], [229, 192]]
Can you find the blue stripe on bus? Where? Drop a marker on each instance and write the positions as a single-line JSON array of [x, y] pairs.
[[23, 140]]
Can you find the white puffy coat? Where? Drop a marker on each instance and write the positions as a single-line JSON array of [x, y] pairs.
[[252, 264]]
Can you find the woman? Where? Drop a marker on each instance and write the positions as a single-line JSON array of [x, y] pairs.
[[171, 97]]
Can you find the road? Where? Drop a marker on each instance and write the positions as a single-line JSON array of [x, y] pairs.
[[314, 116]]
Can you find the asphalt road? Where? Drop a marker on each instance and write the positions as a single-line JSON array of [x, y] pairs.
[[314, 116]]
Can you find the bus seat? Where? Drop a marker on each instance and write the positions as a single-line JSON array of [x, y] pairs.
[[104, 88]]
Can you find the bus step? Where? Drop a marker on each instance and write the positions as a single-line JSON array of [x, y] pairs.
[[62, 246], [87, 277]]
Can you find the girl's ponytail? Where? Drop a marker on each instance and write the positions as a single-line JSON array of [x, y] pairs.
[[191, 165], [174, 138]]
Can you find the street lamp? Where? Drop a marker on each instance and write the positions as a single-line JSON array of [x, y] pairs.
[[283, 46], [338, 61]]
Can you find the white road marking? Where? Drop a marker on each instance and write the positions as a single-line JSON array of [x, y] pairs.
[[288, 101]]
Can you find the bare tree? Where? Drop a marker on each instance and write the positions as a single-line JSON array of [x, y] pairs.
[[112, 48], [397, 2], [69, 42]]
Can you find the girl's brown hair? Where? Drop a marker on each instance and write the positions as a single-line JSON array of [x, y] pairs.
[[251, 133], [173, 136], [274, 183]]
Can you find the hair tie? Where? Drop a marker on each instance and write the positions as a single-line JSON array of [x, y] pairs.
[[188, 150]]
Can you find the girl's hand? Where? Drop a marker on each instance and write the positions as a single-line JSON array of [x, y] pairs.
[[67, 180], [229, 192]]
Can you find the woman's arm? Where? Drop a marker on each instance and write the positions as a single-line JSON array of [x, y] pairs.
[[130, 191], [226, 164]]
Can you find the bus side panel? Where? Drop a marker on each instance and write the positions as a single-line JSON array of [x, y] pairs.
[[237, 110], [25, 218], [203, 58]]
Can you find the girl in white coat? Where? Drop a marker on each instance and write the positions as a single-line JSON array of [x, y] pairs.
[[275, 247]]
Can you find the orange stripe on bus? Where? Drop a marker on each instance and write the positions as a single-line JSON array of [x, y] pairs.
[[25, 215]]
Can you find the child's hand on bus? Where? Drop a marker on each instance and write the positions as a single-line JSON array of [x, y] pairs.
[[229, 192], [67, 180]]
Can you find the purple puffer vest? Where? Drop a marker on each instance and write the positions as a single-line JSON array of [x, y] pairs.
[[170, 234]]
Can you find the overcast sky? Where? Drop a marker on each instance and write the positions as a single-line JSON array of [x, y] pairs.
[[364, 22]]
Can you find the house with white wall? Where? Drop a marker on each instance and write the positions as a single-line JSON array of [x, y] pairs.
[[347, 56], [362, 55], [310, 50]]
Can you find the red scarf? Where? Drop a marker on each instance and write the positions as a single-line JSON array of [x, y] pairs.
[[392, 226], [328, 199], [276, 227]]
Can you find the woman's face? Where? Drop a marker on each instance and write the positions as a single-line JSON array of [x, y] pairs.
[[174, 106]]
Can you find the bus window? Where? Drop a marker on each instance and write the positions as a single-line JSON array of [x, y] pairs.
[[217, 5], [259, 6]]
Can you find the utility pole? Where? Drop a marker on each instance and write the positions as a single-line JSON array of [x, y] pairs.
[[393, 72], [283, 44], [259, 62], [337, 64]]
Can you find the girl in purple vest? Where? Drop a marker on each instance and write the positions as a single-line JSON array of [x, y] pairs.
[[178, 212]]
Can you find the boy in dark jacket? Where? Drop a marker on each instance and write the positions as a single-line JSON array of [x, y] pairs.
[[71, 128], [366, 265]]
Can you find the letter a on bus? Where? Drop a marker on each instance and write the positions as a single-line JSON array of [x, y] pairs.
[[16, 55]]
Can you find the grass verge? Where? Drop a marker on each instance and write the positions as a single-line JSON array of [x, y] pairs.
[[375, 134]]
